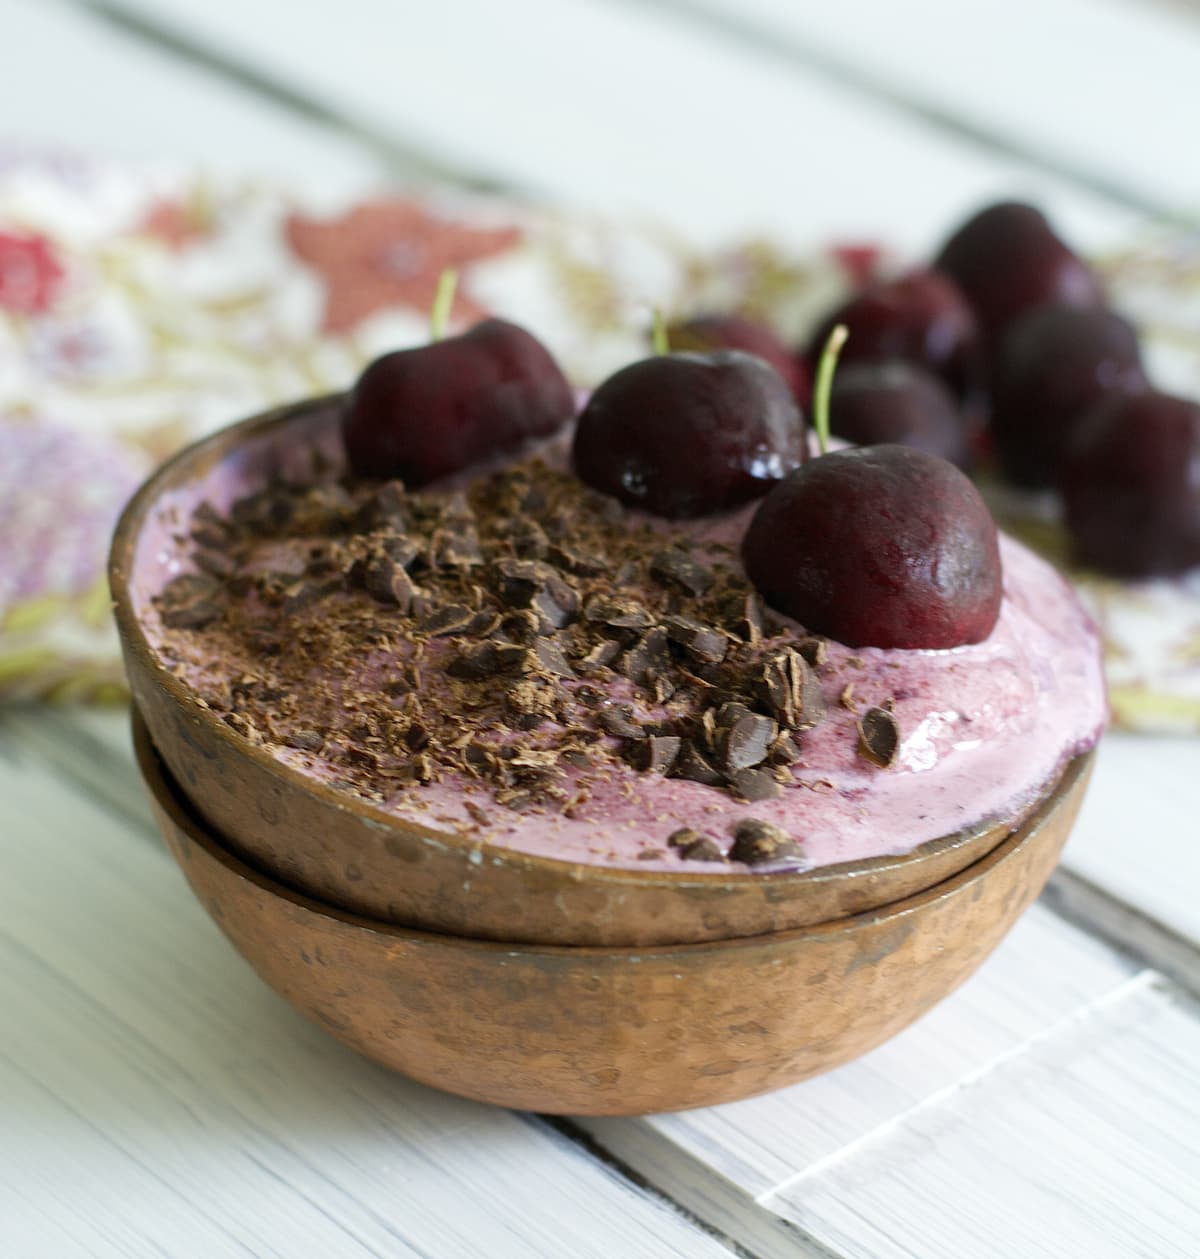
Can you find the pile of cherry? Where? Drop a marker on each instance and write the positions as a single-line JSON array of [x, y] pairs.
[[1003, 351]]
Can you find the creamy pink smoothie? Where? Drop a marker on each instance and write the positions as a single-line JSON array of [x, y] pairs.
[[985, 729]]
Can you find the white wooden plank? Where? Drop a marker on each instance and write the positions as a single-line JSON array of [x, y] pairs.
[[72, 83], [625, 109], [159, 1100], [1101, 86], [1136, 834], [1079, 1140], [1086, 1148]]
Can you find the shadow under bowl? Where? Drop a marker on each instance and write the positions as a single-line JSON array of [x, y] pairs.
[[344, 850], [612, 1031]]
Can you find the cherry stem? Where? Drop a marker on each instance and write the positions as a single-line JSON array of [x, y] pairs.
[[661, 342], [824, 383], [443, 301]]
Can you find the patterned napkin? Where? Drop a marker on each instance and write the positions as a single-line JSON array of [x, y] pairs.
[[142, 307]]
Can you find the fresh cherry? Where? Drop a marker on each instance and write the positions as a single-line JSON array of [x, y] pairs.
[[921, 317], [1131, 485], [432, 411], [1052, 365], [687, 434], [875, 403], [736, 332], [880, 546], [1007, 260]]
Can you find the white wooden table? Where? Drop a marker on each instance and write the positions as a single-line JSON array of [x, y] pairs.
[[156, 1100]]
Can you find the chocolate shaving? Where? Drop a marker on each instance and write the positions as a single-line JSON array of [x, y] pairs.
[[454, 618], [487, 660], [703, 849], [814, 650], [601, 656], [647, 659], [674, 567], [682, 837], [618, 721], [785, 685], [656, 754], [548, 655], [756, 842], [619, 614], [754, 784], [531, 701], [574, 562], [191, 616], [305, 740], [879, 737], [693, 765], [220, 564], [528, 539], [703, 643], [456, 548], [743, 738]]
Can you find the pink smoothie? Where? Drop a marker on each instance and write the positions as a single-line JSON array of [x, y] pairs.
[[985, 728]]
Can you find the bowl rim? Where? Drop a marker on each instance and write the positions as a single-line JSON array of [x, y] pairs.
[[200, 456], [181, 814]]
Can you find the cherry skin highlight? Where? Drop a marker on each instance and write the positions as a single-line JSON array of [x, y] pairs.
[[1007, 260], [1053, 364], [920, 317], [689, 434], [736, 332], [1131, 485], [876, 403], [881, 546], [429, 412]]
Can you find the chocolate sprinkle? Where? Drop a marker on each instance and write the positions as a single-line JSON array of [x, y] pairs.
[[656, 754], [756, 842], [518, 605], [677, 568], [703, 849], [879, 737]]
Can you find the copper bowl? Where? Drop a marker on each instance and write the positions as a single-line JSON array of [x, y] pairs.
[[609, 1031], [344, 850]]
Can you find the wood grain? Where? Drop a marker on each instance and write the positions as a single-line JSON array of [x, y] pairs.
[[157, 1100]]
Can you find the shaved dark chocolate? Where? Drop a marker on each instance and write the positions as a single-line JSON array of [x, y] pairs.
[[756, 842], [703, 849], [656, 754], [674, 567], [879, 737]]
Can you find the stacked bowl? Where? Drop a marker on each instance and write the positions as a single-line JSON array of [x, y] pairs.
[[524, 980]]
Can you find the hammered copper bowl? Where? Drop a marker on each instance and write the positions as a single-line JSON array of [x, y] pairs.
[[610, 1031], [344, 850]]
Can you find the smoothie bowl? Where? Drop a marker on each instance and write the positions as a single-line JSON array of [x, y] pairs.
[[507, 706]]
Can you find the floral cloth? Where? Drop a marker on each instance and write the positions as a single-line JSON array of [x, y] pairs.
[[143, 307]]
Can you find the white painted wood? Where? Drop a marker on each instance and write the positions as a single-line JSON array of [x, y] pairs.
[[1137, 832], [1087, 1147], [1105, 86], [71, 83], [621, 108], [1057, 1077], [157, 1099]]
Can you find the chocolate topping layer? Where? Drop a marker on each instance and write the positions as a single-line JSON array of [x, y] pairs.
[[567, 640]]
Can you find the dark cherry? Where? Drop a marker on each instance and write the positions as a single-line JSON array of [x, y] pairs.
[[736, 332], [880, 546], [920, 317], [1053, 364], [874, 403], [428, 412], [1007, 260], [687, 434], [1131, 484]]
